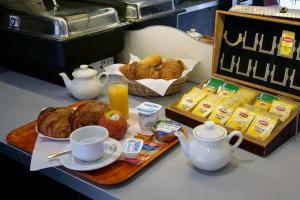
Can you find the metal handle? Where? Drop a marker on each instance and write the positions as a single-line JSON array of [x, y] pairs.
[[55, 155]]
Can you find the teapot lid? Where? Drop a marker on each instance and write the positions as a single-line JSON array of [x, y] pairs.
[[193, 33], [209, 131], [84, 72]]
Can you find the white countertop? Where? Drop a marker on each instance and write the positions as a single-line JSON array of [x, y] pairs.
[[171, 176]]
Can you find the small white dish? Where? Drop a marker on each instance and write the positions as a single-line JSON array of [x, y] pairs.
[[70, 162], [51, 138], [132, 147]]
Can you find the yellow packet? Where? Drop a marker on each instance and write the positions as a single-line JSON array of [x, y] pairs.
[[228, 90], [265, 100], [211, 90], [283, 108], [287, 43], [263, 125], [191, 99], [241, 118], [263, 104], [246, 94], [225, 93], [212, 85], [224, 110], [207, 105]]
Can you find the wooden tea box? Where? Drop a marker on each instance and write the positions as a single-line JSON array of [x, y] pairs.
[[261, 54]]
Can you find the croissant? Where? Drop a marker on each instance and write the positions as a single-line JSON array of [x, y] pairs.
[[129, 70], [171, 69], [153, 67], [55, 122], [147, 71], [124, 69], [88, 113]]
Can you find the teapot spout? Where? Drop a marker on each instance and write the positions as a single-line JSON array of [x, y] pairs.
[[183, 143], [66, 79]]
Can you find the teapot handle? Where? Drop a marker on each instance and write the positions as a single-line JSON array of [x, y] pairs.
[[238, 142], [106, 79]]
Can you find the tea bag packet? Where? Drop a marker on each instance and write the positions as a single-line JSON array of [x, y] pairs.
[[262, 125], [213, 85], [191, 99], [265, 100], [242, 117], [228, 90], [287, 44], [283, 108], [224, 110], [247, 95], [207, 105]]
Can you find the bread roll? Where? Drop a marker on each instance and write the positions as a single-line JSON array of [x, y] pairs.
[[152, 60]]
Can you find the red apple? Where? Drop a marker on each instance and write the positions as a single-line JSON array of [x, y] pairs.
[[115, 122]]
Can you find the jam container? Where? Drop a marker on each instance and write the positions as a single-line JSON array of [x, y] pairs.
[[165, 130], [132, 147]]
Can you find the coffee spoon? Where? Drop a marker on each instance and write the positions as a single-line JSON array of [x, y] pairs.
[[55, 155]]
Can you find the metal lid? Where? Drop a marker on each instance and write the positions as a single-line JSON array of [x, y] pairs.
[[84, 72], [209, 131], [137, 10], [56, 19]]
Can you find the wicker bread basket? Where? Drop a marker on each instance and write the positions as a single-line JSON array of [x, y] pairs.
[[135, 88]]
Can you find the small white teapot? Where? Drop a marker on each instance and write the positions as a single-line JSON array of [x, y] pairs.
[[86, 83], [209, 149]]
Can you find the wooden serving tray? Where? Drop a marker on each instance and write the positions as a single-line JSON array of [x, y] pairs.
[[24, 138]]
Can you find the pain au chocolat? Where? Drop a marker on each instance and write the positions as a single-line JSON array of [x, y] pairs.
[[88, 113]]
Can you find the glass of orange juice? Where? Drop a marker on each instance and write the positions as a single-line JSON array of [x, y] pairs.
[[118, 96]]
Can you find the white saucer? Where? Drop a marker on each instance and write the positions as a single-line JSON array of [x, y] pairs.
[[70, 162], [48, 137]]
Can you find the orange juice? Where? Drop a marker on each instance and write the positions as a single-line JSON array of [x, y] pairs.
[[118, 97]]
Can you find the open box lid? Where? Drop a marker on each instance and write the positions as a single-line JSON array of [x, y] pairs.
[[253, 51]]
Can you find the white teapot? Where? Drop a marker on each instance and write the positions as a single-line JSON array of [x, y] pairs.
[[209, 149], [86, 83]]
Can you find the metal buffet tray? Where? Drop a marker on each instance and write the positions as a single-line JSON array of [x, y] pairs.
[[137, 10], [56, 19]]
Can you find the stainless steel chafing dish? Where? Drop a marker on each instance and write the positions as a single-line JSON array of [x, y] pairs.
[[45, 37], [137, 10], [58, 20]]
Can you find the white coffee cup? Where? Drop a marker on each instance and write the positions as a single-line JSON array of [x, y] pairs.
[[89, 143]]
